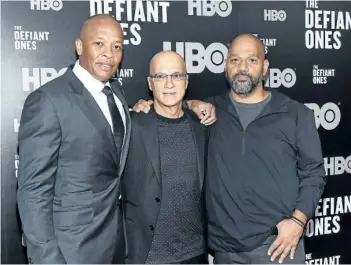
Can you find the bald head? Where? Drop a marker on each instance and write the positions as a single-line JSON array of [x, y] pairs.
[[167, 60], [97, 21], [248, 39]]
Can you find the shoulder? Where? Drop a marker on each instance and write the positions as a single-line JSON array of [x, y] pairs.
[[293, 105], [191, 116], [296, 111], [195, 121], [220, 100], [141, 118], [56, 86]]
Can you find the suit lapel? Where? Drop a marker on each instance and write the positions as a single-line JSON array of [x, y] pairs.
[[124, 153], [85, 101], [150, 139], [199, 140]]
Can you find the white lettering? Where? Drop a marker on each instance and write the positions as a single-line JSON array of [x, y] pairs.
[[39, 77], [46, 5], [276, 78], [197, 58], [209, 8], [274, 15], [328, 116]]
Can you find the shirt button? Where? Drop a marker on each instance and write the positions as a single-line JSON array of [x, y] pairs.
[[157, 199], [152, 227]]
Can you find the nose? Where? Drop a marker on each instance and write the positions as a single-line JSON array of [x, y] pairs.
[[243, 66], [107, 52], [169, 82]]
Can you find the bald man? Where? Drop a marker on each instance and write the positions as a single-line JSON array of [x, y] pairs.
[[163, 182], [265, 167], [73, 142]]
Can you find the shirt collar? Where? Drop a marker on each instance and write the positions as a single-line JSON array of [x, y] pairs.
[[93, 85]]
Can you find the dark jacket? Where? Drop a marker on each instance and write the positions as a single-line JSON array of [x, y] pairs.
[[141, 186], [257, 177], [69, 175]]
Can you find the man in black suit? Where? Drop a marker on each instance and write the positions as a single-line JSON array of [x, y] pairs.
[[73, 142], [164, 174]]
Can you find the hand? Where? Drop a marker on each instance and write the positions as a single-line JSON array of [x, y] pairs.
[[143, 105], [205, 111], [289, 234]]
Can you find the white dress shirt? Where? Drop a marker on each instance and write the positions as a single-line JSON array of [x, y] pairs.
[[95, 87]]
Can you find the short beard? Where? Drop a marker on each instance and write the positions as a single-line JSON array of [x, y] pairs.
[[246, 88]]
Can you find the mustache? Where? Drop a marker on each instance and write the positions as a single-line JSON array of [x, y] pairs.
[[241, 73]]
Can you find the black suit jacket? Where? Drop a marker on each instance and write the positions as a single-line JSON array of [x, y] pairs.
[[69, 175], [141, 184]]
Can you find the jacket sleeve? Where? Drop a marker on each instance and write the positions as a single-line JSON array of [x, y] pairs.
[[39, 141], [310, 164]]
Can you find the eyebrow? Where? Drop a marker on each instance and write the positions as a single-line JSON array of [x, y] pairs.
[[102, 38], [250, 55], [161, 73]]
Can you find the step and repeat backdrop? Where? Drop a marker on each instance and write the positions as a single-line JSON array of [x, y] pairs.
[[308, 44]]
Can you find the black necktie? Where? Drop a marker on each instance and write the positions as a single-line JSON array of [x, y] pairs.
[[117, 122]]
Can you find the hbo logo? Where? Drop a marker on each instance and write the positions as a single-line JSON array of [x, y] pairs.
[[328, 116], [276, 78], [223, 8], [46, 5], [337, 165], [197, 57], [32, 79], [274, 15]]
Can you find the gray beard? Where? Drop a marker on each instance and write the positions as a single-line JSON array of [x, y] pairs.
[[245, 88]]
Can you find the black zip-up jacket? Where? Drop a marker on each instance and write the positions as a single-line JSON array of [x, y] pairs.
[[257, 177]]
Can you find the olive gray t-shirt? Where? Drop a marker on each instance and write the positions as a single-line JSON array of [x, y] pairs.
[[247, 112]]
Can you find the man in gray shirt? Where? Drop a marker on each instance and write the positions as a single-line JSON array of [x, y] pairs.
[[265, 165]]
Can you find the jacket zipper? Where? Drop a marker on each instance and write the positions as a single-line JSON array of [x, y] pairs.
[[243, 143], [243, 140]]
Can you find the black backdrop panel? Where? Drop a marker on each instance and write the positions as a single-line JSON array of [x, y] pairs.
[[307, 45]]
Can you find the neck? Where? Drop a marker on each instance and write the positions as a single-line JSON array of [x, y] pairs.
[[256, 96], [172, 112]]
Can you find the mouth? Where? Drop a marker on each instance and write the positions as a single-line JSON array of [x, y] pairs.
[[169, 93], [242, 78], [106, 66]]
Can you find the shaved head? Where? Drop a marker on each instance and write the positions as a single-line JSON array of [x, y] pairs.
[[164, 58], [245, 38], [95, 20]]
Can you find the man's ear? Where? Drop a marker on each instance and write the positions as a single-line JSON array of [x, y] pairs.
[[149, 83], [265, 67], [79, 46]]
